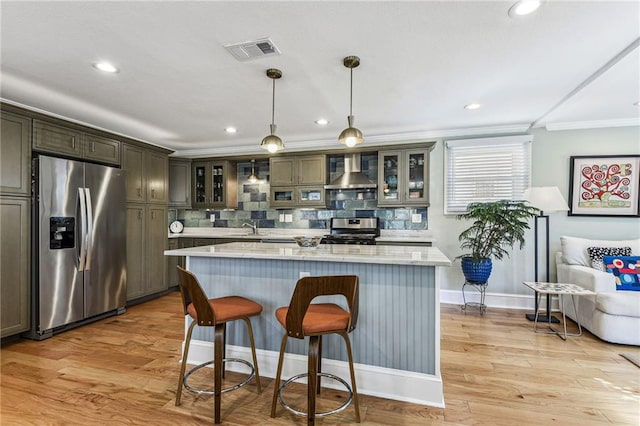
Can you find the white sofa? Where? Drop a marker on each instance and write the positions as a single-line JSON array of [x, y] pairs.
[[613, 316]]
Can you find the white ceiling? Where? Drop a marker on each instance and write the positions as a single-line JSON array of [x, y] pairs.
[[421, 62]]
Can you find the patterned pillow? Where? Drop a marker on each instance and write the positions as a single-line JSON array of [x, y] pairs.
[[626, 270], [597, 253]]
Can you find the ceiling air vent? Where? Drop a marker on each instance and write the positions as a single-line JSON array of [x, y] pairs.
[[254, 49]]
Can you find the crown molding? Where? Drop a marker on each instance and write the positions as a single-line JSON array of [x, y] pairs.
[[370, 140], [596, 124]]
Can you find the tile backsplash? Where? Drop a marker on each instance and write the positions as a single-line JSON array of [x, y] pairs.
[[253, 206]]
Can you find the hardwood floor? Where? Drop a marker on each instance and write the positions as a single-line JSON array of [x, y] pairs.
[[123, 370]]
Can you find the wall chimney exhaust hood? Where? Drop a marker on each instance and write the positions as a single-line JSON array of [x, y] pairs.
[[352, 178]]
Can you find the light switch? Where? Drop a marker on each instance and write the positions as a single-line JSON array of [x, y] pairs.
[[281, 217], [212, 218], [416, 218], [288, 218]]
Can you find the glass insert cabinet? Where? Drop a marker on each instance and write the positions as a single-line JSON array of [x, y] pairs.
[[215, 184], [297, 196], [403, 177]]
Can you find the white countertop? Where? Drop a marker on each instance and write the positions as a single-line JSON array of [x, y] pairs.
[[386, 235], [396, 255]]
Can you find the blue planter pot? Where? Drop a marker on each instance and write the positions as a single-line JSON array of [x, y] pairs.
[[476, 272]]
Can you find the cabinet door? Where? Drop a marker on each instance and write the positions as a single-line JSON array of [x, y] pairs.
[[15, 155], [50, 138], [224, 185], [198, 242], [132, 163], [14, 265], [156, 174], [102, 149], [202, 182], [136, 225], [310, 196], [282, 197], [416, 178], [312, 170], [179, 183], [156, 261], [390, 172], [282, 171]]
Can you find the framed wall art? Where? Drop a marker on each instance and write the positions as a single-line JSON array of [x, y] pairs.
[[604, 185]]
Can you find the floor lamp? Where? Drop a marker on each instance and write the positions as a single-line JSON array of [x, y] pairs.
[[547, 199]]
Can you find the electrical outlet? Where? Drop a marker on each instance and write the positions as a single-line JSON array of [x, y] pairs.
[[416, 218], [212, 218], [304, 274]]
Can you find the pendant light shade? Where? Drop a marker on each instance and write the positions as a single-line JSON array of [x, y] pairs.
[[351, 136], [273, 143], [253, 177]]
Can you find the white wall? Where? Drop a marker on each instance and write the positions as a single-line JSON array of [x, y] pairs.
[[550, 167]]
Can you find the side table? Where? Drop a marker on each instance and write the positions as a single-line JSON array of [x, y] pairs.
[[559, 289], [480, 288]]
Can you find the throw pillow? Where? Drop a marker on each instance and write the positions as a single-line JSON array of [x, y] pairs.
[[626, 270], [597, 253]]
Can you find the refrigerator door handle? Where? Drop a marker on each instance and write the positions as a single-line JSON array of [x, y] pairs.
[[83, 229], [89, 240]]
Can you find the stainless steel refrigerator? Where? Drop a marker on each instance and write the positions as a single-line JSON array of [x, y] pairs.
[[79, 245]]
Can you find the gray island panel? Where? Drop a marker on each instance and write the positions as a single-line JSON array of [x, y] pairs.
[[397, 307]]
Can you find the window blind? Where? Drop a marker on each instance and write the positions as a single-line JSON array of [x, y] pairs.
[[487, 169]]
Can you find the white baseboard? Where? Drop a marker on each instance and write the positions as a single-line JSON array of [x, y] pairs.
[[497, 300], [381, 382]]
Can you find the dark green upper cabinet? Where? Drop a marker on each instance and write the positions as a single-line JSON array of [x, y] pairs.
[[15, 155]]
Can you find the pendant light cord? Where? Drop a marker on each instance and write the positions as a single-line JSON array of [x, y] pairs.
[[273, 103], [351, 94]]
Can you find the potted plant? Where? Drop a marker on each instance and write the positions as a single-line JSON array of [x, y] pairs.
[[497, 226]]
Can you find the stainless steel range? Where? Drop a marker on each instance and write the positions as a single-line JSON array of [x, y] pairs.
[[353, 231]]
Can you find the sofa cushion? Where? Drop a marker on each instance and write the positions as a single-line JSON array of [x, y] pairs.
[[596, 254], [574, 249], [625, 303]]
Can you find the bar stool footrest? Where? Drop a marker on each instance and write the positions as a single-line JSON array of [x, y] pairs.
[[324, 413], [230, 388]]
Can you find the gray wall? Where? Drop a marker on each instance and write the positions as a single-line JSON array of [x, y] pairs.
[[550, 167]]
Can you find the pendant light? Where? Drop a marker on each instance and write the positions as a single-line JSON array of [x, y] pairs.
[[351, 136], [273, 143], [253, 177]]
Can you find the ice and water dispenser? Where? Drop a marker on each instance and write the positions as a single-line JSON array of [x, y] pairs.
[[62, 232]]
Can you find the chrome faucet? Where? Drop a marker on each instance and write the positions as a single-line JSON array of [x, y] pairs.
[[253, 226]]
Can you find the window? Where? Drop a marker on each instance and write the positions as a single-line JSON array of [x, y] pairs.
[[486, 169]]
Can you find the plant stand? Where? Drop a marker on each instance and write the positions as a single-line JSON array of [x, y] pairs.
[[480, 288]]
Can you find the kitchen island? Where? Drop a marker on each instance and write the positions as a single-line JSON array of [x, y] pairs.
[[396, 344]]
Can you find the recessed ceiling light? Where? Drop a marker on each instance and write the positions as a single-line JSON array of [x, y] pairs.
[[230, 129], [637, 103], [106, 67], [322, 121], [472, 106], [523, 7]]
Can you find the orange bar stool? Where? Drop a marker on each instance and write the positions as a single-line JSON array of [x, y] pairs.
[[302, 318], [215, 313]]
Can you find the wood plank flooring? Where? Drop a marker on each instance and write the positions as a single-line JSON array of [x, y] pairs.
[[496, 371]]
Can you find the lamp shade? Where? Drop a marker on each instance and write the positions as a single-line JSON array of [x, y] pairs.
[[546, 199]]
